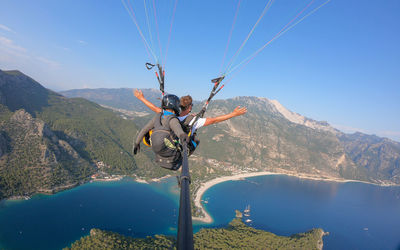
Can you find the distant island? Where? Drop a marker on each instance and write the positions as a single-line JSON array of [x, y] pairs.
[[237, 235]]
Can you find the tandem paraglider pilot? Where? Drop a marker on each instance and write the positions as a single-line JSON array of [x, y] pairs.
[[166, 134]]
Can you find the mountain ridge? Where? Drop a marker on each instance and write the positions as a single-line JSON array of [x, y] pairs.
[[295, 140], [153, 96]]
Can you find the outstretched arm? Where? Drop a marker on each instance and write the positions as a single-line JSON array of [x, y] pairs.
[[236, 112], [139, 95]]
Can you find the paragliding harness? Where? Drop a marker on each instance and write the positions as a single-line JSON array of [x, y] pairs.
[[190, 120], [165, 143], [186, 127]]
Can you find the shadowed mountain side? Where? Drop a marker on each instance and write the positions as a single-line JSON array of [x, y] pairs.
[[20, 91]]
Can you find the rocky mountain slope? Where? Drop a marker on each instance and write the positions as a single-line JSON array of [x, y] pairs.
[[48, 161], [264, 139], [378, 156]]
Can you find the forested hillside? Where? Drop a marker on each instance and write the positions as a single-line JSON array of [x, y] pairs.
[[236, 236]]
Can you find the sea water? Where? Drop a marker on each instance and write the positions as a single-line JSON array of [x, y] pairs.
[[53, 222], [357, 215]]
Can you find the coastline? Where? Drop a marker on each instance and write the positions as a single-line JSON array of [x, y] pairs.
[[242, 175], [108, 179], [138, 179], [73, 185], [203, 187]]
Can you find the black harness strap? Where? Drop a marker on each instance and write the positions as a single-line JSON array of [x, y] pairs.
[[214, 91], [149, 66], [160, 75]]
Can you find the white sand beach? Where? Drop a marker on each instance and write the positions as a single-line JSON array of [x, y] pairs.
[[203, 188]]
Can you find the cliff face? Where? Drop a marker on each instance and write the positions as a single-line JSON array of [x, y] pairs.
[[52, 148], [35, 159]]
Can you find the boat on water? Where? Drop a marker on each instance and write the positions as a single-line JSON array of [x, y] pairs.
[[247, 211], [248, 220]]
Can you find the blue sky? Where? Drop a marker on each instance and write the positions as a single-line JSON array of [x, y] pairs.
[[340, 64]]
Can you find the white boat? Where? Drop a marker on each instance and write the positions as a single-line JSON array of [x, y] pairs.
[[248, 220], [247, 210]]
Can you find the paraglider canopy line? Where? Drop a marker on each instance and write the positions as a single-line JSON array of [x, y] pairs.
[[148, 23], [131, 13], [230, 35], [170, 32], [285, 29], [266, 8], [158, 32]]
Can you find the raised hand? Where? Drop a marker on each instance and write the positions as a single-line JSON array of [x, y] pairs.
[[239, 111], [138, 94]]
